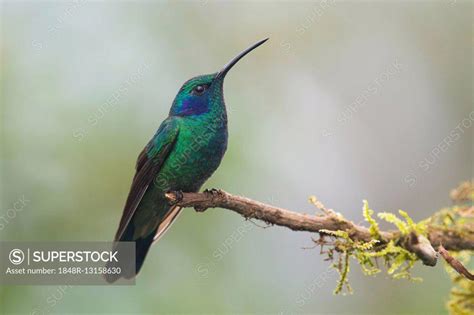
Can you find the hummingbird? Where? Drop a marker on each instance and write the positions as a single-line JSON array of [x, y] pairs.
[[184, 152]]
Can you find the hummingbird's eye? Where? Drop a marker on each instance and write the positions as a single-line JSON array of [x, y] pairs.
[[199, 89]]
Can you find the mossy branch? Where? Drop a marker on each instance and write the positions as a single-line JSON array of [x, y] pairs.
[[451, 239], [449, 229]]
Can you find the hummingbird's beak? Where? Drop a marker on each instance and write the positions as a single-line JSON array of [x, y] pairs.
[[231, 63]]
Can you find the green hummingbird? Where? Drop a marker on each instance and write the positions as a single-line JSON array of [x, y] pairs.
[[185, 151]]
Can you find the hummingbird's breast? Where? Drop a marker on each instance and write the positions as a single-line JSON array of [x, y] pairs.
[[199, 149]]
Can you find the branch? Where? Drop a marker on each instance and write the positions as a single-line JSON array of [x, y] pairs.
[[456, 264], [251, 209]]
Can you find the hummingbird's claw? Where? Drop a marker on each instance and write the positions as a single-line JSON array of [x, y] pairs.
[[200, 209], [177, 197], [212, 191]]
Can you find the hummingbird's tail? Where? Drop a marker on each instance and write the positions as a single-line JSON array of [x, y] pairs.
[[142, 245]]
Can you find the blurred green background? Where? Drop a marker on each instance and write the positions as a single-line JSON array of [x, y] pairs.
[[346, 101]]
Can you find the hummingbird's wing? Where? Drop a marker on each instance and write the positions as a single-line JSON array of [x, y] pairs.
[[148, 165]]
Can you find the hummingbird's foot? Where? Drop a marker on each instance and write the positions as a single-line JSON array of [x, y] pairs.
[[200, 209], [177, 197], [212, 191]]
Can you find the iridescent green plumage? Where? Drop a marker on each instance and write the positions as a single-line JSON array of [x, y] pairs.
[[185, 151]]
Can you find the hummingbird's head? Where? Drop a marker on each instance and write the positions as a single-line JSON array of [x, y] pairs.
[[200, 94], [195, 96]]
